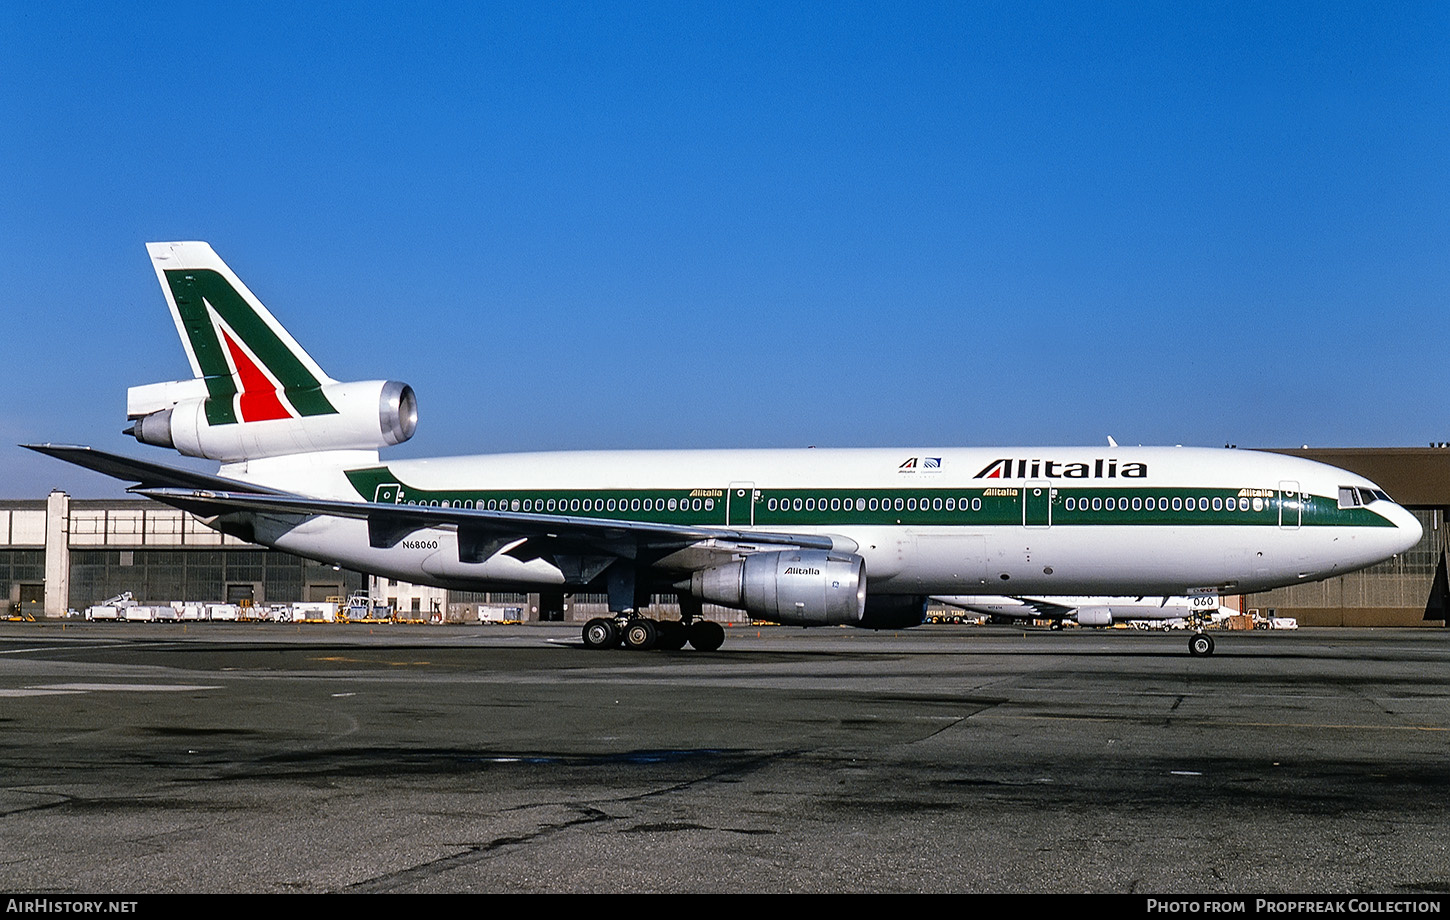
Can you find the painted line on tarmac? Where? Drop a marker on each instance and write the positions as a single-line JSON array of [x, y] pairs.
[[45, 689]]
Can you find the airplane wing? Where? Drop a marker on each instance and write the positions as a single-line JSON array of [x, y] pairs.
[[393, 522], [1034, 608], [1047, 610], [582, 545]]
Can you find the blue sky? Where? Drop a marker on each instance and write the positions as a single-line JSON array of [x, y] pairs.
[[746, 225]]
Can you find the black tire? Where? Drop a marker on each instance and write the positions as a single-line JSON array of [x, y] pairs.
[[706, 636], [1200, 646], [641, 634], [672, 635], [601, 633]]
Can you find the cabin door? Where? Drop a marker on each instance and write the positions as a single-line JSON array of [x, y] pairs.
[[1291, 506], [740, 504], [1037, 503]]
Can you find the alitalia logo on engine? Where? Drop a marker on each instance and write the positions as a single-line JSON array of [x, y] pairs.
[[1101, 468], [799, 570]]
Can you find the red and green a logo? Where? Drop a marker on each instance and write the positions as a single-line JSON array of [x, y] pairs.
[[252, 373]]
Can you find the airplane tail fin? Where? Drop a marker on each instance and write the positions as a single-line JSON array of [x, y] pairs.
[[255, 392], [252, 368]]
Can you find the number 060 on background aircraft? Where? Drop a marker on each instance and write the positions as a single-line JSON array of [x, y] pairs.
[[857, 537]]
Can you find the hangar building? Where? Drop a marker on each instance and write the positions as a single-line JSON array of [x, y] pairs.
[[1409, 590]]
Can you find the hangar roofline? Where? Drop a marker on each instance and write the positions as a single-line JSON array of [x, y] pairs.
[[1416, 477]]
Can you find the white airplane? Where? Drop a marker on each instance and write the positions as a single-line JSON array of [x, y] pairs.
[[1086, 611], [800, 537]]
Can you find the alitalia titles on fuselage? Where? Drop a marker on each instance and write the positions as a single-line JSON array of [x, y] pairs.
[[1100, 468]]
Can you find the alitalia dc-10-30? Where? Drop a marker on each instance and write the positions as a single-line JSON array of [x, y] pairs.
[[858, 537]]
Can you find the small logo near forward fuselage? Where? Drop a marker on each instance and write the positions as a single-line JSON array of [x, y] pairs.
[[920, 464]]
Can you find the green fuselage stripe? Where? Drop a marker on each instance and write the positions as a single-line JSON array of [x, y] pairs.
[[826, 508]]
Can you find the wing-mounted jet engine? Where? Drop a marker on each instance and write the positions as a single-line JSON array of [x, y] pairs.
[[793, 587], [804, 588]]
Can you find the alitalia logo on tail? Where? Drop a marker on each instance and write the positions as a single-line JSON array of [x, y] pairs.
[[1100, 468], [251, 374]]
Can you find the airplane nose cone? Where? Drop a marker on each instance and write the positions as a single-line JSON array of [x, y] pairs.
[[1407, 530]]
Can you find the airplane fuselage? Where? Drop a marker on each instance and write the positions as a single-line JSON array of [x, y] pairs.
[[1053, 521]]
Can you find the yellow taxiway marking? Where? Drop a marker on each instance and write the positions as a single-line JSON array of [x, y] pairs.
[[392, 664]]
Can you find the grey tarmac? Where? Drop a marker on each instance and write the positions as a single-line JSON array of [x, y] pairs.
[[144, 758]]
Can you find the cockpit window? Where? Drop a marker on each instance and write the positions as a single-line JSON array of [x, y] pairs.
[[1358, 496]]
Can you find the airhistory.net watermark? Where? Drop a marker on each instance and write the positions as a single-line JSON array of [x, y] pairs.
[[60, 906]]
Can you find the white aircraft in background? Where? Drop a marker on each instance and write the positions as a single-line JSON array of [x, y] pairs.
[[1086, 611], [800, 537]]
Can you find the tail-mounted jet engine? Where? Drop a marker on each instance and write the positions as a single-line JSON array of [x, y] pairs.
[[366, 415], [792, 587]]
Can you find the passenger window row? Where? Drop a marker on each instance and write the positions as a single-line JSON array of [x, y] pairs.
[[585, 505], [903, 503], [1160, 503]]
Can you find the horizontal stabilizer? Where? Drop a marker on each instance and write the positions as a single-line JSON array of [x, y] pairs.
[[144, 474]]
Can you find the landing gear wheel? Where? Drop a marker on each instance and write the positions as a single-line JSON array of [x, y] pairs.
[[641, 634], [706, 635], [672, 635], [1200, 645], [601, 633]]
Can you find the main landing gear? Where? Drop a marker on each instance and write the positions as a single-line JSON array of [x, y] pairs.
[[625, 627], [642, 634]]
